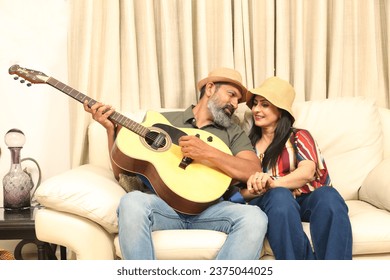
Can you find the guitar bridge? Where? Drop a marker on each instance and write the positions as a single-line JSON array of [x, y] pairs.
[[185, 162]]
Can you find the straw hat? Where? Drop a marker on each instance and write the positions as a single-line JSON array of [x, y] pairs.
[[277, 91], [226, 75]]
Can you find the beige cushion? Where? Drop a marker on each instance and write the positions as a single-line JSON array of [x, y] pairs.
[[376, 188], [385, 119], [83, 238], [88, 191], [184, 244], [98, 146], [370, 228], [349, 133]]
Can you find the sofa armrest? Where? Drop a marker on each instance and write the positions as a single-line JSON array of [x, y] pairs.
[[376, 187], [83, 237], [88, 191]]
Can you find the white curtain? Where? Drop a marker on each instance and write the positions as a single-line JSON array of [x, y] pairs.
[[330, 48], [146, 54], [94, 64]]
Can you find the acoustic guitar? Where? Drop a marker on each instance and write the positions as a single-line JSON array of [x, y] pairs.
[[151, 149]]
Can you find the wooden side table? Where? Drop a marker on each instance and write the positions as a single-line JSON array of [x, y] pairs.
[[21, 225]]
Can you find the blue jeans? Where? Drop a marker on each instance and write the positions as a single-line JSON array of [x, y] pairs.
[[327, 214], [139, 214]]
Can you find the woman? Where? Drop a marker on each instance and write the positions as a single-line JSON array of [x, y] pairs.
[[295, 185]]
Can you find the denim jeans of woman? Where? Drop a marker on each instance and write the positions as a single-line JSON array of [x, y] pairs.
[[139, 214], [327, 214]]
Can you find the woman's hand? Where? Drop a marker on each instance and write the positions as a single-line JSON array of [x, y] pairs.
[[100, 113], [259, 183]]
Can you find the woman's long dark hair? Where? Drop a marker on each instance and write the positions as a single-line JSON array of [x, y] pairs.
[[282, 133]]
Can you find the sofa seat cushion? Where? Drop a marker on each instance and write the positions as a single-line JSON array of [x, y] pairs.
[[370, 228], [184, 244], [88, 191]]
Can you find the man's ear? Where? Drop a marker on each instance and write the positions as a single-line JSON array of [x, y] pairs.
[[209, 89]]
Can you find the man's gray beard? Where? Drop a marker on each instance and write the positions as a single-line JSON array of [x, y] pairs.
[[220, 117]]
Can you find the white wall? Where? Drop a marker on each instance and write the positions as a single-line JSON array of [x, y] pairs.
[[33, 34]]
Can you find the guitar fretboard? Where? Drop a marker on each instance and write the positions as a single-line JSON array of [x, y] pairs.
[[115, 117]]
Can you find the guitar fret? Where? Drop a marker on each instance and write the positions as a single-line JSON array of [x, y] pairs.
[[76, 96], [126, 123], [67, 89], [141, 131], [133, 126], [120, 118], [115, 116], [129, 123]]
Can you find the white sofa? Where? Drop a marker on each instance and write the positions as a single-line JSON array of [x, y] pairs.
[[354, 135]]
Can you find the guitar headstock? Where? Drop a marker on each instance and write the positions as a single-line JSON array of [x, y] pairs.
[[32, 76]]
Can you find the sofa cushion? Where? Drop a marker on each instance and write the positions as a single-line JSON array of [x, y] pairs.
[[88, 191], [98, 146], [195, 244], [376, 187], [385, 119], [349, 133], [370, 228]]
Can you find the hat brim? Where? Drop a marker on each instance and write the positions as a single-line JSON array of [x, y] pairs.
[[217, 79], [249, 102]]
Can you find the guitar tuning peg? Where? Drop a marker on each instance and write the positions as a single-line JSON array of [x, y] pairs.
[[22, 81], [16, 77], [29, 84]]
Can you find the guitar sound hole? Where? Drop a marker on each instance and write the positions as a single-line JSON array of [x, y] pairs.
[[156, 140]]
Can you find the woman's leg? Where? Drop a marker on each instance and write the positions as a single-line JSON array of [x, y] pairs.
[[330, 226], [285, 232]]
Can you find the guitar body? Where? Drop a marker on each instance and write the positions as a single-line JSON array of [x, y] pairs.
[[189, 189]]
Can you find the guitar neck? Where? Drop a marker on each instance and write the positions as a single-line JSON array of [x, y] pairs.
[[115, 117]]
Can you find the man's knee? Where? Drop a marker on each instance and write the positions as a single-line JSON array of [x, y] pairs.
[[132, 200], [254, 217]]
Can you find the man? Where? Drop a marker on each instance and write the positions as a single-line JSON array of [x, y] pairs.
[[141, 213]]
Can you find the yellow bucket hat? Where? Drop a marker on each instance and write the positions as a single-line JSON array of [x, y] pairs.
[[277, 91]]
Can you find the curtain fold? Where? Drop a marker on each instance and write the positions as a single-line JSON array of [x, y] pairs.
[[147, 54], [94, 64]]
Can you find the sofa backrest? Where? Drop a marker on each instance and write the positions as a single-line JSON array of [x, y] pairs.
[[97, 141], [348, 132]]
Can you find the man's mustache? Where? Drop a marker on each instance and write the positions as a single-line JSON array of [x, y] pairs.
[[230, 108]]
